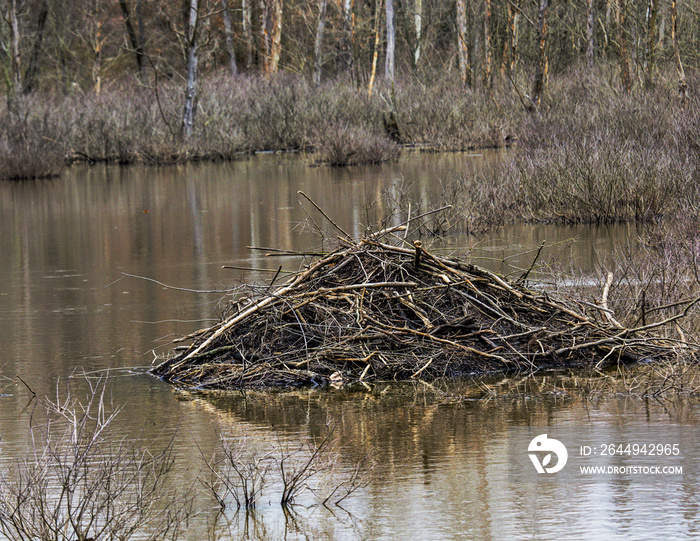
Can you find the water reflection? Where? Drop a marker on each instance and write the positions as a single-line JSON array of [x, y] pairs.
[[69, 302], [440, 454]]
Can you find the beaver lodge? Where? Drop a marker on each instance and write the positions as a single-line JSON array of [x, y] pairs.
[[381, 308]]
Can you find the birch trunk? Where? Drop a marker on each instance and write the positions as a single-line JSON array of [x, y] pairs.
[[15, 60], [418, 24], [462, 48], [191, 88], [390, 40], [318, 45], [228, 30]]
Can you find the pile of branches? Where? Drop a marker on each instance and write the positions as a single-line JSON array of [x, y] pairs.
[[374, 310]]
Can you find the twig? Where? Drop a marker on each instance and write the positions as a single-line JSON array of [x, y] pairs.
[[324, 214], [524, 276]]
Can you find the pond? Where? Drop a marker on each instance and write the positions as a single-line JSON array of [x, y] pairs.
[[103, 267]]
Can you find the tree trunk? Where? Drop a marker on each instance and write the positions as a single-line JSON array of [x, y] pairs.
[[590, 22], [377, 35], [265, 35], [650, 60], [276, 36], [228, 30], [97, 49], [348, 43], [271, 25], [510, 45], [682, 83], [625, 77], [462, 49], [15, 59], [418, 24], [540, 84], [488, 54], [247, 32], [32, 68], [318, 44], [390, 40], [131, 33], [191, 88]]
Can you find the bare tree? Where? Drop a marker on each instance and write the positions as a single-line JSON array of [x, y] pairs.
[[650, 56], [348, 41], [682, 83], [377, 35], [488, 54], [318, 45], [590, 22], [418, 25], [82, 480], [136, 46], [192, 61], [247, 32], [15, 61], [33, 66], [271, 26], [390, 41], [542, 67], [510, 46], [462, 49], [228, 30], [625, 77]]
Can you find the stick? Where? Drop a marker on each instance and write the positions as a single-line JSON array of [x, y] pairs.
[[324, 214], [524, 276], [254, 269], [604, 303]]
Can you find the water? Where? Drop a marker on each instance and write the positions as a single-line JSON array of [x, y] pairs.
[[104, 266]]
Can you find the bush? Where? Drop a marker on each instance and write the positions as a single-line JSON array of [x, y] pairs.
[[81, 480], [342, 145]]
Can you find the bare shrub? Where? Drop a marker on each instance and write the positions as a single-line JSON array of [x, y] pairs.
[[81, 480], [234, 475], [28, 146], [343, 145], [239, 477]]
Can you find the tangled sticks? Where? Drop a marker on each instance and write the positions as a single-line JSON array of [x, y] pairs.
[[375, 311]]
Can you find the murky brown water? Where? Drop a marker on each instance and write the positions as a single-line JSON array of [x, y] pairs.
[[105, 265]]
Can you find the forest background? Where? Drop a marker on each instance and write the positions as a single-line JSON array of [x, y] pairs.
[[145, 80]]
